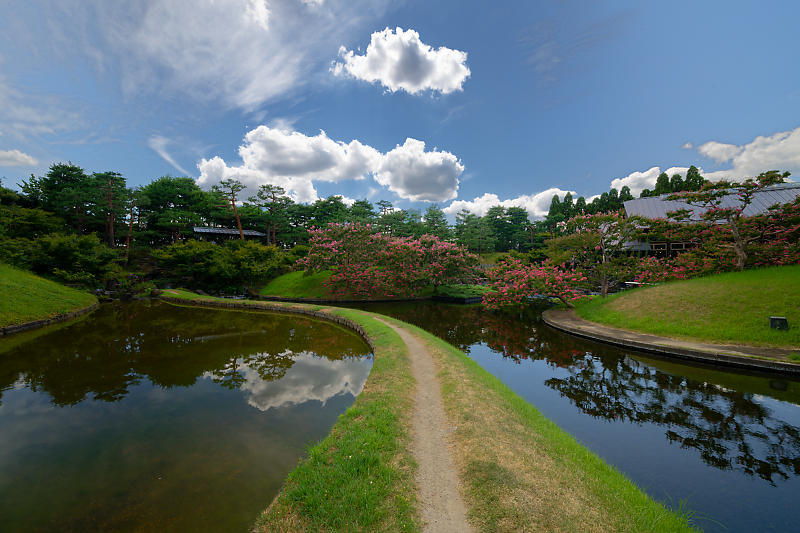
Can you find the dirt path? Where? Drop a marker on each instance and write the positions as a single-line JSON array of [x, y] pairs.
[[442, 508]]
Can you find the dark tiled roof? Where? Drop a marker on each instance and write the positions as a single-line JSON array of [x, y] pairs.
[[658, 206], [228, 231]]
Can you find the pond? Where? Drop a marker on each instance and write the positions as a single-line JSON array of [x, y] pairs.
[[152, 417], [724, 445]]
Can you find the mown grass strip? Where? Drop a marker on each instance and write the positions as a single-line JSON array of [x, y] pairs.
[[360, 477], [521, 471], [25, 297], [726, 308]]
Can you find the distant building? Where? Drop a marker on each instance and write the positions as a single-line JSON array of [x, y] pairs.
[[216, 234], [657, 207]]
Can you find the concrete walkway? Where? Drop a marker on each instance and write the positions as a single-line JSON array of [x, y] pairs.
[[751, 357], [442, 508]]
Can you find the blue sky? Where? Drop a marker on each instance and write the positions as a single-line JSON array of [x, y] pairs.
[[466, 104]]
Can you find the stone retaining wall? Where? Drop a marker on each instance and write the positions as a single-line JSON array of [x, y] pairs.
[[8, 330]]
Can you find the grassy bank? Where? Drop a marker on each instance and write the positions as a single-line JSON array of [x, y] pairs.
[[25, 297], [297, 285], [360, 477], [727, 308], [520, 471]]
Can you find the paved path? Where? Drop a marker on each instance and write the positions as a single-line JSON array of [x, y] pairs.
[[730, 355], [442, 508]]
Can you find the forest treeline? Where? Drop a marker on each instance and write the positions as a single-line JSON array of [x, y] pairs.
[[87, 228]]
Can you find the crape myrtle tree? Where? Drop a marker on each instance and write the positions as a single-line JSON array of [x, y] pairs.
[[367, 262], [515, 283], [595, 244], [724, 202]]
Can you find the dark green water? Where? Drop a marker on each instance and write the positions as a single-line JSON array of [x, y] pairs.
[[151, 417], [724, 445]]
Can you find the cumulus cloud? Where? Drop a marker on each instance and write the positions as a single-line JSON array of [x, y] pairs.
[[309, 378], [638, 181], [411, 172], [537, 205], [719, 152], [159, 144], [780, 151], [399, 60], [687, 145], [294, 161], [15, 158]]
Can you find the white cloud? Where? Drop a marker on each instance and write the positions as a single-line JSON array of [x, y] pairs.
[[25, 114], [780, 151], [719, 152], [537, 205], [295, 161], [159, 144], [399, 60], [687, 145], [15, 158], [311, 378], [412, 173], [242, 53], [638, 181]]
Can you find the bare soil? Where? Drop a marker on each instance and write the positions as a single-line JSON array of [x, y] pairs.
[[442, 507]]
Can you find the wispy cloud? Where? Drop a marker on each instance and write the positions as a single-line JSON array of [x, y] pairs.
[[159, 144]]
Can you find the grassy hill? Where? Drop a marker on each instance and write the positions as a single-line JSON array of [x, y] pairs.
[[25, 297], [727, 308], [296, 285]]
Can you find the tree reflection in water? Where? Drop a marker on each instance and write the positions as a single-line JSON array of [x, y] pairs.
[[720, 415], [115, 348]]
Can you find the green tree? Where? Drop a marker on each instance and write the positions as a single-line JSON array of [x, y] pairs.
[[362, 211], [436, 223], [169, 207], [229, 189], [273, 199]]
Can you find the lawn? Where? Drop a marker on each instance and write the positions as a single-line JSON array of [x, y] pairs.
[[726, 308], [25, 297], [296, 285]]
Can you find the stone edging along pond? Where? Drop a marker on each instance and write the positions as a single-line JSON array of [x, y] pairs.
[[745, 357], [16, 328]]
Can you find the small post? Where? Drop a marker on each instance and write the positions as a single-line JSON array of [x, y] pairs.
[[778, 322]]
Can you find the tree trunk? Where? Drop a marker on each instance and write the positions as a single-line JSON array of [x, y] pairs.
[[738, 245], [128, 238], [238, 220]]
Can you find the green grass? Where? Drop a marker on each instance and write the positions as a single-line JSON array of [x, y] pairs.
[[463, 291], [520, 471], [360, 477], [25, 297], [298, 286], [726, 308], [492, 258]]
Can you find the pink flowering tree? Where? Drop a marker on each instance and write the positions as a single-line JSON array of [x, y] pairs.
[[515, 283], [367, 263], [595, 245], [715, 199]]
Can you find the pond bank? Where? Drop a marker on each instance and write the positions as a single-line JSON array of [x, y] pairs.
[[749, 357], [517, 469]]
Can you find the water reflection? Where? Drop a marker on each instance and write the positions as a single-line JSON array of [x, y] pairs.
[[729, 429], [721, 416], [310, 378], [124, 344], [151, 417]]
